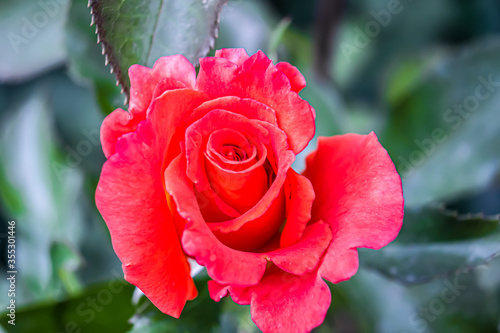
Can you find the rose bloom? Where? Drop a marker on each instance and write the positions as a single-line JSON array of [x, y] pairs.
[[200, 167]]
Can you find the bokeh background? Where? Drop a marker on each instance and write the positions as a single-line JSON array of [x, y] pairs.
[[423, 74]]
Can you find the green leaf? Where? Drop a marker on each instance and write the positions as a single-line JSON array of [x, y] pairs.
[[378, 304], [277, 38], [86, 61], [371, 303], [100, 308], [30, 28], [441, 134], [140, 32], [28, 152], [362, 58], [200, 315], [65, 262], [439, 225], [48, 176], [368, 303], [9, 194], [47, 187], [236, 318], [434, 244]]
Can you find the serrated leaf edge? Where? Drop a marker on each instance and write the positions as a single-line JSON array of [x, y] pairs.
[[107, 49], [441, 207]]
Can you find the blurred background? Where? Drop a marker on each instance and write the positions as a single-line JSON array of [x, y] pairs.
[[424, 75]]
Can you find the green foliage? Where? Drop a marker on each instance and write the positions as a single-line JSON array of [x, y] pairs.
[[434, 123], [140, 32], [49, 196], [29, 28], [201, 315], [435, 244], [105, 307], [86, 62], [370, 303], [43, 189]]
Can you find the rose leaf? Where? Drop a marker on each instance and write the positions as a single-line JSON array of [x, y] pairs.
[[434, 243], [140, 32], [441, 135]]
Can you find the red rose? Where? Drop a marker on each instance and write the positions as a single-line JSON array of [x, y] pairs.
[[201, 168]]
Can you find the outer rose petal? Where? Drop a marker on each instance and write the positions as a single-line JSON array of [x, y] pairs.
[[281, 296], [118, 123], [258, 79], [240, 295], [282, 302], [358, 192], [143, 80], [247, 107], [170, 114], [238, 56], [303, 256], [297, 80], [132, 201]]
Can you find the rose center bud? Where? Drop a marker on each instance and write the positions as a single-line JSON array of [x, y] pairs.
[[233, 153], [235, 169]]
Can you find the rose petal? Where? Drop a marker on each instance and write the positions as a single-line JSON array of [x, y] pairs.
[[278, 147], [225, 265], [120, 122], [281, 302], [247, 107], [253, 232], [178, 109], [358, 192], [300, 258], [116, 124], [213, 208], [265, 217], [239, 189], [258, 79], [237, 56], [174, 109], [165, 85], [197, 137], [340, 263], [300, 196], [132, 201], [240, 295], [171, 113], [303, 256], [143, 80], [297, 80], [227, 140]]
